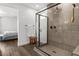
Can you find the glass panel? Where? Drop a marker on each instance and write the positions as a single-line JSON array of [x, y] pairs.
[[43, 30]]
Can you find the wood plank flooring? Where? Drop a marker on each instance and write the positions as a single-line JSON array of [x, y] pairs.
[[10, 48]]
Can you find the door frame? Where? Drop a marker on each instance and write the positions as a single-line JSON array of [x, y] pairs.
[[39, 30]]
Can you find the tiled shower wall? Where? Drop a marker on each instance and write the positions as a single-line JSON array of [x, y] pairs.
[[66, 33]]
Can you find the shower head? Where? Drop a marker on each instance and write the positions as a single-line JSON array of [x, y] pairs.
[[74, 5], [57, 8]]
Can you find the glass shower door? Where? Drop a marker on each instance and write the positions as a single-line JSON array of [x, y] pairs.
[[43, 30]]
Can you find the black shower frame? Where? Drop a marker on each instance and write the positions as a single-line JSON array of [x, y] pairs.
[[39, 22]]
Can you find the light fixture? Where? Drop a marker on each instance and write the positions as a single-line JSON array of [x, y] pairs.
[[1, 11], [37, 6]]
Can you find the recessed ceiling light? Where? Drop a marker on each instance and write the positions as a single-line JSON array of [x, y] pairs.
[[2, 12], [37, 6]]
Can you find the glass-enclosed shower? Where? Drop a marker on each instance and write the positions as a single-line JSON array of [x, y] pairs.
[[57, 29]]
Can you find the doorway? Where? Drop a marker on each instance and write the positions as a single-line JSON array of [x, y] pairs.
[[42, 29]]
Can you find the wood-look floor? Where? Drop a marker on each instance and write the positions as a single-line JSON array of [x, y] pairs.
[[10, 48]]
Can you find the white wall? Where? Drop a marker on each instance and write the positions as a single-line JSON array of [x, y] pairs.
[[8, 19], [26, 17], [7, 11], [0, 26], [9, 23]]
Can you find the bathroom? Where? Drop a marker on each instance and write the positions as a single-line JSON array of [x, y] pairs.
[[57, 29]]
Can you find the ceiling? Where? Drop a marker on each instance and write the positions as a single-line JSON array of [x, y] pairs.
[[36, 6]]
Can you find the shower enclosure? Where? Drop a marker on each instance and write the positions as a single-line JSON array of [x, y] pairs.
[[42, 26], [57, 27]]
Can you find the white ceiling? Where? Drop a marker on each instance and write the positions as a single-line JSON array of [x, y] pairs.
[[30, 5], [36, 6]]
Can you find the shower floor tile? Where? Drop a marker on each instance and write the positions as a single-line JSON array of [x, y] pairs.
[[55, 51]]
